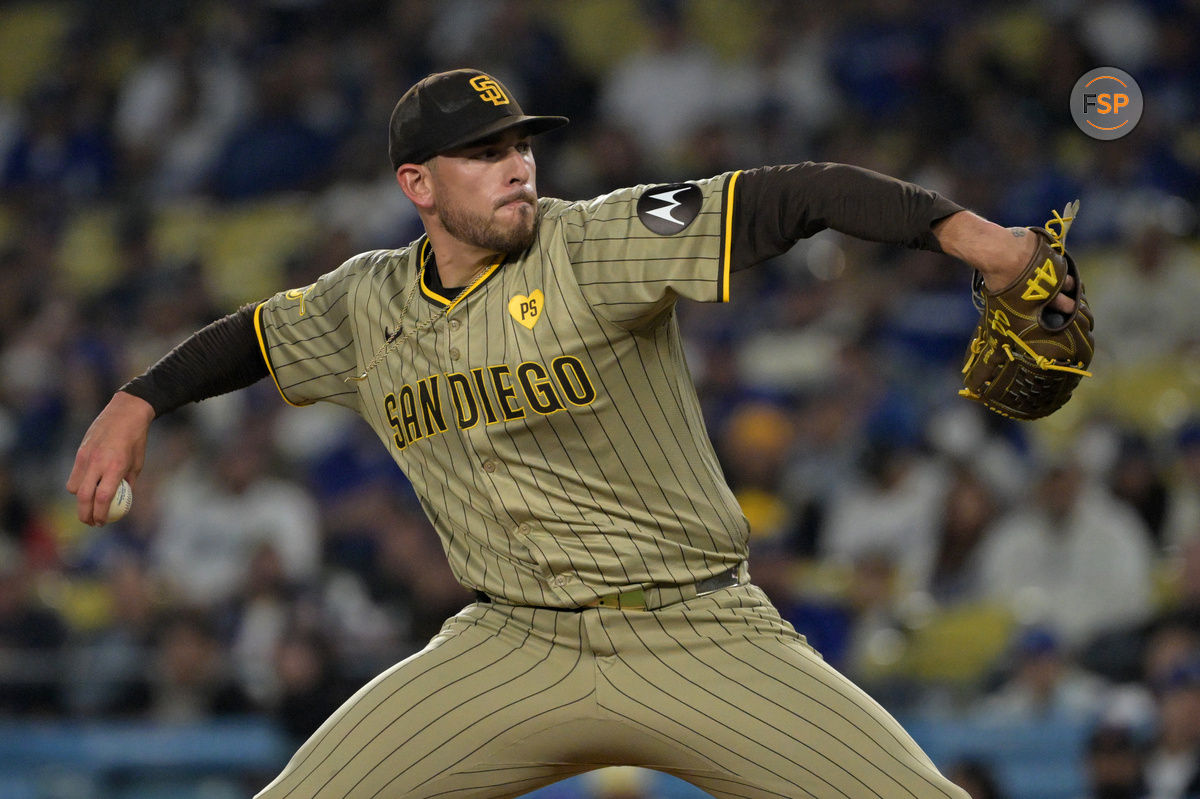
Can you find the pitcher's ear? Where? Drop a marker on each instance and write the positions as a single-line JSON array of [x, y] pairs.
[[415, 181]]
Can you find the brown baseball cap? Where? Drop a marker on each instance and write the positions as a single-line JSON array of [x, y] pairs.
[[451, 109]]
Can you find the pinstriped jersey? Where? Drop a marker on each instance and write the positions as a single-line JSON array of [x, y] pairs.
[[545, 416]]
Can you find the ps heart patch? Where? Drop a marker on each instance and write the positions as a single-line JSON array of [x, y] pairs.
[[527, 310]]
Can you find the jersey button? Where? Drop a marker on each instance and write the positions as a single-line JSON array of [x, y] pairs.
[[489, 466], [455, 324], [455, 354], [523, 528]]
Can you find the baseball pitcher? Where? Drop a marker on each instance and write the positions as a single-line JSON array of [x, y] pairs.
[[523, 365]]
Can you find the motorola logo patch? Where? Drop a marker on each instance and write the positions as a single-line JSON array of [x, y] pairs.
[[669, 209]]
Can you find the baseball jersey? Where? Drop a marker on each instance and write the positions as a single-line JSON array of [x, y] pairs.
[[545, 416]]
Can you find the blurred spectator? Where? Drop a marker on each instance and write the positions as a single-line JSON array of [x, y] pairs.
[[1043, 684], [364, 204], [21, 289], [608, 157], [753, 445], [1113, 764], [874, 638], [32, 638], [191, 678], [890, 509], [952, 573], [1182, 524], [258, 618], [285, 144], [781, 88], [806, 334], [309, 686], [213, 520], [176, 107], [110, 666], [410, 575], [1137, 659], [665, 90], [1047, 558], [1171, 643], [824, 460], [1173, 759], [1138, 479], [22, 531], [62, 152], [881, 60], [1159, 285], [976, 777]]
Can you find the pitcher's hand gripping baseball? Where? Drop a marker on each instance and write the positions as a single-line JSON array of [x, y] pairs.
[[1026, 357], [113, 449]]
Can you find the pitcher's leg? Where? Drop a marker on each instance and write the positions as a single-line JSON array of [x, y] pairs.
[[451, 720], [725, 678]]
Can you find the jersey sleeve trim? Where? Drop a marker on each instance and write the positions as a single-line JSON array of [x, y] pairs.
[[727, 238], [262, 347]]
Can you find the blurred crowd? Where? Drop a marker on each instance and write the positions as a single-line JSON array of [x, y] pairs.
[[161, 163]]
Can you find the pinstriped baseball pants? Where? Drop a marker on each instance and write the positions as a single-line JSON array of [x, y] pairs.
[[717, 690]]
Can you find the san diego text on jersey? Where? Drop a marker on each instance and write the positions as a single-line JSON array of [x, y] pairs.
[[489, 394]]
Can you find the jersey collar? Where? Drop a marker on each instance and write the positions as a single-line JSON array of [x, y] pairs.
[[431, 285]]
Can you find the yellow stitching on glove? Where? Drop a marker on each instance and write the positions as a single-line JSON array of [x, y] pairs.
[[1041, 360], [977, 346]]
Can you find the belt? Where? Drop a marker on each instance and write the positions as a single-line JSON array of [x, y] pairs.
[[638, 598]]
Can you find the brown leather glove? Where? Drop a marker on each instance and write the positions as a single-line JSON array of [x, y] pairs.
[[1026, 358]]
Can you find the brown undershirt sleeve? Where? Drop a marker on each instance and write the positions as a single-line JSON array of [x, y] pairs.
[[219, 358], [774, 207]]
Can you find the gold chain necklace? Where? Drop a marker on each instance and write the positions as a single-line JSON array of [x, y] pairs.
[[395, 340]]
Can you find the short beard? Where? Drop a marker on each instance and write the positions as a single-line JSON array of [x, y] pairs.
[[483, 232]]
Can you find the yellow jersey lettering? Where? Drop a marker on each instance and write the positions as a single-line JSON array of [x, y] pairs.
[[538, 388], [431, 404], [489, 412], [408, 414], [573, 380], [466, 409], [505, 393], [389, 408]]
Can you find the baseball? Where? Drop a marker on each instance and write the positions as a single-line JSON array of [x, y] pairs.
[[122, 501]]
